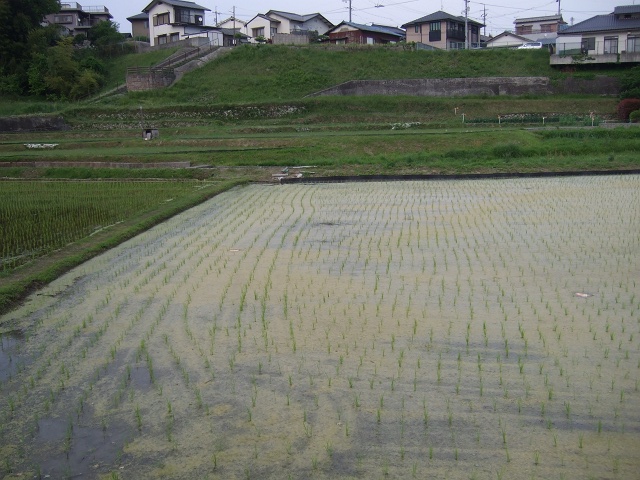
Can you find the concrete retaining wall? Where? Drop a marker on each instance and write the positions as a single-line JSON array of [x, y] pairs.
[[95, 164], [142, 79], [290, 39], [458, 87], [32, 124]]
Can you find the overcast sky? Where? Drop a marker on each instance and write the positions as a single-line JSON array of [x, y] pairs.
[[499, 13]]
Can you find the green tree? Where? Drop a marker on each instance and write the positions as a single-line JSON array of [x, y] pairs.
[[18, 19], [104, 33]]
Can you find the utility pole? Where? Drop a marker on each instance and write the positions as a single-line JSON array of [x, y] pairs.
[[348, 1], [234, 24], [484, 18], [466, 24], [558, 6]]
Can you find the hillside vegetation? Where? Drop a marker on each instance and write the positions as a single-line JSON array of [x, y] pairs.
[[280, 73]]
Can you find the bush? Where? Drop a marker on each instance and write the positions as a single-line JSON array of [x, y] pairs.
[[634, 117], [626, 106]]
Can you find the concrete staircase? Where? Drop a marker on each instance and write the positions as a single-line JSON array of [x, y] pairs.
[[172, 68]]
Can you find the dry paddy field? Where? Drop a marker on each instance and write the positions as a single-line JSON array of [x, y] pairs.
[[444, 329]]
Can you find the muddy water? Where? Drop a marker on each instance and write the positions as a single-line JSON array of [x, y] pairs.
[[426, 329]]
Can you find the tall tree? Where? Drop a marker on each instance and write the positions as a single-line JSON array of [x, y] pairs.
[[18, 18]]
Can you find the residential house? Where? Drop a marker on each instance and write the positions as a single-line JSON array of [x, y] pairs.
[[174, 20], [232, 23], [534, 26], [274, 21], [444, 31], [349, 32], [612, 38], [507, 39], [139, 25], [77, 19]]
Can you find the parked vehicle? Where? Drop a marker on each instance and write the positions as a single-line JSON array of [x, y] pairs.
[[530, 46]]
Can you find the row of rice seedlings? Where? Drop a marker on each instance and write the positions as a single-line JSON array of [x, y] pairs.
[[40, 216]]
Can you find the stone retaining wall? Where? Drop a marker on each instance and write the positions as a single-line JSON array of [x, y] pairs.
[[95, 164], [33, 124], [483, 86]]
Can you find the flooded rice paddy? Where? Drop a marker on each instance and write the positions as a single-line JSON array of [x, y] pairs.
[[446, 329]]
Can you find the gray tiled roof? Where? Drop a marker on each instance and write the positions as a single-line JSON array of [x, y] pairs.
[[440, 15], [375, 28], [602, 23], [177, 3], [298, 18], [550, 18], [626, 9], [139, 16]]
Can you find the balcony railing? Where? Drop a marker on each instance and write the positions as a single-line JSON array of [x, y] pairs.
[[70, 6], [597, 52], [455, 33], [598, 48], [96, 9]]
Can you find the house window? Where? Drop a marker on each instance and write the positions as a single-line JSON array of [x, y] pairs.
[[273, 30], [474, 29], [434, 26], [524, 29], [162, 39], [633, 44], [257, 32], [175, 37], [588, 43], [61, 19], [610, 44], [416, 28], [162, 19], [546, 28]]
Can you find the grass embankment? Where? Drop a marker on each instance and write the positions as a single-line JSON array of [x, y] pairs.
[[281, 73], [16, 283]]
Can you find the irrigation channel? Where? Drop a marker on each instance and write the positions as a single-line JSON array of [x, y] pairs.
[[443, 329]]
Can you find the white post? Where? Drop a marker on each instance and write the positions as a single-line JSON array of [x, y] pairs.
[[463, 118]]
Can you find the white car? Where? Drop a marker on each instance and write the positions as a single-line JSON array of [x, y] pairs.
[[530, 46]]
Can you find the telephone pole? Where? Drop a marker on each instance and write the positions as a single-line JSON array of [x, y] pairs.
[[466, 24], [348, 1], [484, 18]]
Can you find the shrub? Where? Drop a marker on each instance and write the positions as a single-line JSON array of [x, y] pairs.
[[626, 106], [634, 117]]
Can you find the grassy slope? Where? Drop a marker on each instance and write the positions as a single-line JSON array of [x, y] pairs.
[[279, 73]]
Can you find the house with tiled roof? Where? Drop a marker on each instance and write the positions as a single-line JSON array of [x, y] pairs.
[[77, 19], [533, 26], [443, 31], [267, 25], [612, 38], [174, 20], [139, 25], [349, 32]]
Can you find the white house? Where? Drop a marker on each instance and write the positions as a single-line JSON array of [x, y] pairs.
[[613, 38], [274, 21], [174, 20], [507, 40]]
